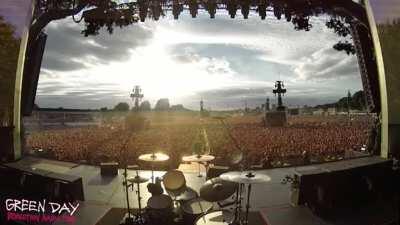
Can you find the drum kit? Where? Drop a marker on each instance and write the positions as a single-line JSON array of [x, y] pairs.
[[194, 209]]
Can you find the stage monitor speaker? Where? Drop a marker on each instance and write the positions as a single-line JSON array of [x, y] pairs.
[[38, 184], [6, 142], [331, 188], [33, 63]]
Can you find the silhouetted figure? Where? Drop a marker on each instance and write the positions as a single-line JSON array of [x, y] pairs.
[[156, 188], [306, 157], [267, 163], [267, 105], [201, 105]]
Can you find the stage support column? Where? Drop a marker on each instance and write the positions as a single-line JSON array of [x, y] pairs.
[[16, 17], [386, 51]]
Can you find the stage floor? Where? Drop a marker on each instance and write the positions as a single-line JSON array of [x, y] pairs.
[[105, 193]]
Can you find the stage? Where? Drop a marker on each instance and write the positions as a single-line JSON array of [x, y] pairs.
[[105, 196]]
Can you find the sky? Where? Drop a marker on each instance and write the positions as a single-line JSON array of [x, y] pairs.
[[16, 12], [225, 62], [385, 10]]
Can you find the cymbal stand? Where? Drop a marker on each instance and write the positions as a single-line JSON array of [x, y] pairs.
[[128, 218], [139, 217], [246, 221], [238, 206]]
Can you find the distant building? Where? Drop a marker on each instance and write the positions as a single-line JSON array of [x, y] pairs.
[[294, 111], [306, 111], [332, 111], [318, 112]]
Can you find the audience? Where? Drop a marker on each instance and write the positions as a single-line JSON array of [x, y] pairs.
[[302, 141]]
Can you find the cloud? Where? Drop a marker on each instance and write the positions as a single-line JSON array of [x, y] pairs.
[[327, 64], [233, 93], [224, 61], [67, 49]]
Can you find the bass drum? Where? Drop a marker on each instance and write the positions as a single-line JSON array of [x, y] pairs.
[[160, 209], [217, 217]]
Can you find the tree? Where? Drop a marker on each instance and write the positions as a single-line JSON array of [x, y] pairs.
[[122, 106], [162, 104], [103, 109], [145, 106], [178, 107], [9, 49], [358, 100]]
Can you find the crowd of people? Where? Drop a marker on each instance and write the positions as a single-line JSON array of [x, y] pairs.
[[303, 140]]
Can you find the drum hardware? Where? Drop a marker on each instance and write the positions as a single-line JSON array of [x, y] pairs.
[[223, 205], [129, 183], [194, 208], [243, 178], [128, 220], [187, 195], [199, 159], [217, 189], [160, 209], [216, 217]]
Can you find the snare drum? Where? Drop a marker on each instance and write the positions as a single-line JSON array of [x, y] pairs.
[[160, 208], [218, 217], [195, 208]]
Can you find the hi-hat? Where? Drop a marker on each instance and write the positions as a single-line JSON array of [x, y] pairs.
[[137, 179], [154, 157], [198, 158], [245, 177], [217, 189]]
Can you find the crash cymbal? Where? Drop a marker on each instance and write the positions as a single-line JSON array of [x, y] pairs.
[[154, 157], [245, 177], [198, 158], [217, 189], [137, 179]]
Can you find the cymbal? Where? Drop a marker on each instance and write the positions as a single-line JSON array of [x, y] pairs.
[[245, 177], [154, 157], [137, 179], [217, 189], [198, 158]]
